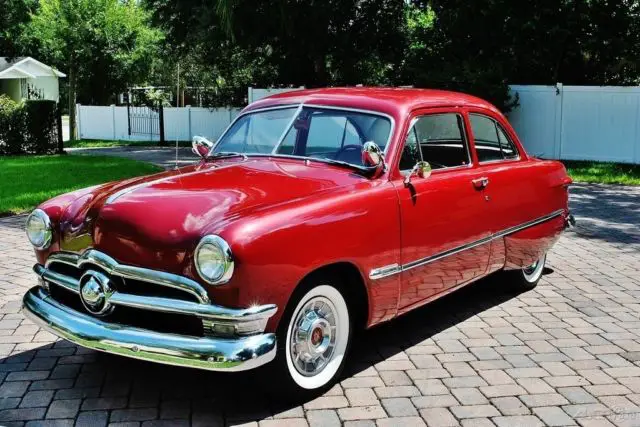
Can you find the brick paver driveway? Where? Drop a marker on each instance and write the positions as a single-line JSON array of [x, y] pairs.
[[566, 353]]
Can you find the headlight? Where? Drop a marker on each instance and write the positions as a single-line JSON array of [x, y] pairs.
[[39, 229], [213, 260]]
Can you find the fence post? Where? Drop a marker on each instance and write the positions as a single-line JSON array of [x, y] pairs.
[[113, 120], [161, 123], [557, 143], [190, 137], [78, 128], [636, 147], [129, 113]]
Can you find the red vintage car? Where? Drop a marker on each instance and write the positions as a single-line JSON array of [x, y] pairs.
[[317, 213]]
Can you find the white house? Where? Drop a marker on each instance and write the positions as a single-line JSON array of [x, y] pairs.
[[25, 78]]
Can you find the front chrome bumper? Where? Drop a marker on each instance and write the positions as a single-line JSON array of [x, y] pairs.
[[211, 353]]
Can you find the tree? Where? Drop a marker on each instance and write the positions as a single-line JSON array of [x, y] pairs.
[[287, 42], [475, 46], [103, 45], [14, 15], [480, 46]]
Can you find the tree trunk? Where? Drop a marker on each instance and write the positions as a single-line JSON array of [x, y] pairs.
[[72, 101], [320, 68]]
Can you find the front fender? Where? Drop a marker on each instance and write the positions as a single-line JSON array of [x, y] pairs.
[[276, 248]]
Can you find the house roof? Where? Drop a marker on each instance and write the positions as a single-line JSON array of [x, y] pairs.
[[25, 67], [6, 62]]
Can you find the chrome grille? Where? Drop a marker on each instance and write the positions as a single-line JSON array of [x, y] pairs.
[[135, 288]]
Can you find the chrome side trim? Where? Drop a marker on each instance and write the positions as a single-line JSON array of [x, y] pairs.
[[215, 354], [392, 269], [113, 267], [529, 224], [387, 270], [441, 255]]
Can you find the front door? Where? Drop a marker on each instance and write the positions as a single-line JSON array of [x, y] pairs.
[[444, 234]]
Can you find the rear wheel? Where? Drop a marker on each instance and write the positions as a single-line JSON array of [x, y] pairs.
[[314, 336], [528, 277]]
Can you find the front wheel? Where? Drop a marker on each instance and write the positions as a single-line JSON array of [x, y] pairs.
[[314, 337], [528, 277]]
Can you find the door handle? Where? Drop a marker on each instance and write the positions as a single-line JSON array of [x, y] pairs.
[[480, 183]]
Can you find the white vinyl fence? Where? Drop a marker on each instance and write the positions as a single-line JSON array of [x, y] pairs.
[[256, 93], [579, 122], [555, 122], [180, 124]]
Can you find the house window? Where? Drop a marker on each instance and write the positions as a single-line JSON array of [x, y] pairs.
[[24, 88]]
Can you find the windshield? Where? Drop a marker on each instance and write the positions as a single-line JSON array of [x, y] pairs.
[[320, 133]]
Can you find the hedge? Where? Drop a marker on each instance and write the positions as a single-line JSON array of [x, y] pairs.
[[28, 127]]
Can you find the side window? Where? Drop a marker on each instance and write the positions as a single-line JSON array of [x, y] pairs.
[[491, 141], [437, 139]]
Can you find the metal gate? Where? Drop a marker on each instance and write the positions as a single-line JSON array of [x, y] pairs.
[[146, 121]]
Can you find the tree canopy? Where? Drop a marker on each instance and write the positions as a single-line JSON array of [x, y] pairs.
[[106, 44], [476, 46], [14, 14], [103, 45]]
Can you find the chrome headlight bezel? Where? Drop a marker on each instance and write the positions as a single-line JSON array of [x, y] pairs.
[[215, 243], [46, 233]]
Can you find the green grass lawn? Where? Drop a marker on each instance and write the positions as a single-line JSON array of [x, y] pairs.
[[99, 143], [27, 181], [603, 173]]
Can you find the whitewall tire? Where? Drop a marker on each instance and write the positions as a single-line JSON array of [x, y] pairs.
[[533, 273], [317, 337], [528, 277]]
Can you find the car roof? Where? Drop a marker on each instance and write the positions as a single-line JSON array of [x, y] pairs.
[[392, 101]]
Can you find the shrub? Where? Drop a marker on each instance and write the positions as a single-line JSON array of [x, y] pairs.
[[29, 127], [11, 126]]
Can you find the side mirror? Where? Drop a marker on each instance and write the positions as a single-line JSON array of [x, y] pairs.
[[421, 169], [201, 146], [373, 157]]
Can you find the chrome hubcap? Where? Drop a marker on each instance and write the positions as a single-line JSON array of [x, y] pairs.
[[529, 270], [313, 336]]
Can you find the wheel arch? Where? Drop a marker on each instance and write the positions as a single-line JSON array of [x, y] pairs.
[[352, 285]]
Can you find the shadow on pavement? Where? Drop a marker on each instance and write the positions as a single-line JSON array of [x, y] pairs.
[[245, 396], [608, 213]]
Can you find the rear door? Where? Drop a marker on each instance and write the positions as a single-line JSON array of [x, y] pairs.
[[516, 190], [442, 216]]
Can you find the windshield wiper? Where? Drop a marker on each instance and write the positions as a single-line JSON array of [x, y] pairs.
[[226, 154], [364, 170]]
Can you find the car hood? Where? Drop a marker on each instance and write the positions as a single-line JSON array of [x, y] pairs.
[[166, 214]]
